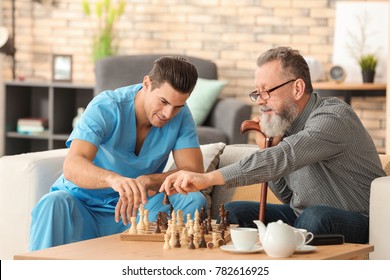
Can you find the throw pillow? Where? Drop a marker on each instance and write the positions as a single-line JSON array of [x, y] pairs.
[[203, 98], [211, 153]]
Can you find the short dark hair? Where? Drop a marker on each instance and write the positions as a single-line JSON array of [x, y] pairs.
[[176, 71], [292, 62]]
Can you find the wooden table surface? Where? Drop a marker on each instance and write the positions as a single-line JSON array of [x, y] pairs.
[[113, 248]]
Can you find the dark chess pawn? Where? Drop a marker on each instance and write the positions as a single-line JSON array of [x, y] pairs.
[[166, 199], [158, 229], [223, 236], [163, 220], [209, 226], [227, 223], [202, 214], [177, 241], [206, 230], [191, 244], [202, 242]]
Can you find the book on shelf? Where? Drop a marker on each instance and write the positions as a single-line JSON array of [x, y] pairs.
[[33, 122], [28, 129]]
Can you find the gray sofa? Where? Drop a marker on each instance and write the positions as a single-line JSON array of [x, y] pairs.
[[222, 124]]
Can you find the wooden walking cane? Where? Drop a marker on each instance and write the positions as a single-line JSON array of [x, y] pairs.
[[251, 125]]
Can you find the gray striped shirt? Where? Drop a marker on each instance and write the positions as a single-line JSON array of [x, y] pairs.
[[326, 158]]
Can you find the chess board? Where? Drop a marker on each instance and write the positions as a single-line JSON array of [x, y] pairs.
[[151, 236]]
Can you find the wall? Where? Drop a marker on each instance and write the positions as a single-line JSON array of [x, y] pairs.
[[232, 33]]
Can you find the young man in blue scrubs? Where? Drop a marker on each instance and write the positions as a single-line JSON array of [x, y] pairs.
[[117, 153]]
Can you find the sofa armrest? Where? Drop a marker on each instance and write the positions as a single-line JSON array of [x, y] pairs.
[[24, 179], [221, 194], [379, 218], [227, 115]]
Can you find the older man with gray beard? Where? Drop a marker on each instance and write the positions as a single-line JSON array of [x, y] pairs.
[[321, 163]]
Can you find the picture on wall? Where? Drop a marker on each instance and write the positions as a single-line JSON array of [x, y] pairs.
[[361, 28], [62, 68]]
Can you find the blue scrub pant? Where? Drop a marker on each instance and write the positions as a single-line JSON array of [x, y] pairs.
[[60, 218], [317, 219]]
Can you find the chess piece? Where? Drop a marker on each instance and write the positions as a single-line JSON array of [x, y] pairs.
[[157, 229], [133, 228], [146, 219], [202, 242], [191, 244], [141, 225], [210, 245], [188, 219], [209, 226], [222, 223], [177, 240], [214, 239], [196, 240], [227, 223], [164, 221], [223, 236], [184, 237], [191, 229], [170, 210], [206, 231], [202, 214], [166, 199], [179, 220], [166, 242], [172, 240]]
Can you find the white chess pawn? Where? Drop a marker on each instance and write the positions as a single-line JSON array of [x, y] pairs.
[[172, 240], [166, 242], [188, 221], [141, 225], [184, 237], [133, 228], [146, 219], [179, 220], [196, 240], [191, 229], [169, 228], [197, 215], [214, 239]]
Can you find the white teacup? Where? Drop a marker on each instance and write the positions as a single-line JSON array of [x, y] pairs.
[[306, 234], [244, 238]]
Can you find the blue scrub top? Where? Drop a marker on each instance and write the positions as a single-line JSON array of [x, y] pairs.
[[109, 123]]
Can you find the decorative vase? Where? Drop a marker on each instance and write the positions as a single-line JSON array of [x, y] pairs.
[[368, 76]]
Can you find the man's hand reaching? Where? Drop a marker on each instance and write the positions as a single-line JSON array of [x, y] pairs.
[[131, 194]]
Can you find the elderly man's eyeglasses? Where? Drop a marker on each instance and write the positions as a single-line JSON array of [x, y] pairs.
[[265, 94]]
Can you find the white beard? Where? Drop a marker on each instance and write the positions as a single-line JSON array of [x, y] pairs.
[[276, 124]]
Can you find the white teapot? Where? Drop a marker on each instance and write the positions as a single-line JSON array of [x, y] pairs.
[[278, 239]]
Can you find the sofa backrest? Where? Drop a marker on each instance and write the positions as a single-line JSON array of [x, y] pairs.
[[118, 71]]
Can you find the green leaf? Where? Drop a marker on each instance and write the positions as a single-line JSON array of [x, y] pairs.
[[368, 62], [86, 8]]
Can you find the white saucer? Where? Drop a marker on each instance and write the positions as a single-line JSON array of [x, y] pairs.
[[306, 249], [232, 249]]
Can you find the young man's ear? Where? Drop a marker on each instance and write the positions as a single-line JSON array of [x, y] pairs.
[[147, 83]]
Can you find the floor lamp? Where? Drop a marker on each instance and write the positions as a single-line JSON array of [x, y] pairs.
[[7, 40]]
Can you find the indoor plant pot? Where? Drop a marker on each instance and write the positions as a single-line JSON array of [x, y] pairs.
[[368, 64]]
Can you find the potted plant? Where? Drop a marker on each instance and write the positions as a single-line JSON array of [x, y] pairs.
[[104, 40], [368, 64]]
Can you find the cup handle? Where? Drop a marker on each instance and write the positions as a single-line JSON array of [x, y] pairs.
[[303, 240], [309, 237]]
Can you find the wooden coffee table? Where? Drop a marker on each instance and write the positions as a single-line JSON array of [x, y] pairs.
[[113, 248]]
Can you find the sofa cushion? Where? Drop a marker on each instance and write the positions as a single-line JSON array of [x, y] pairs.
[[203, 98], [211, 153], [209, 134]]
